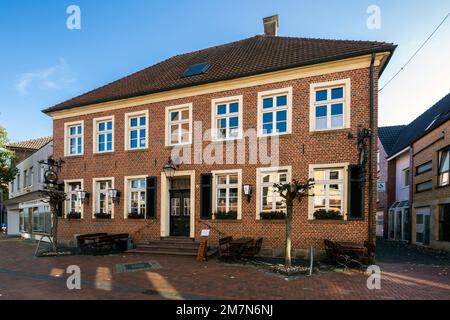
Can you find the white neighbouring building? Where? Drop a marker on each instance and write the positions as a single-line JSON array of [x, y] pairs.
[[27, 211]]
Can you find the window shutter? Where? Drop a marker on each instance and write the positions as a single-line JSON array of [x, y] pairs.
[[151, 197], [356, 192], [206, 196]]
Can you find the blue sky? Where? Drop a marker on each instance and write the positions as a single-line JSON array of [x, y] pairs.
[[43, 63]]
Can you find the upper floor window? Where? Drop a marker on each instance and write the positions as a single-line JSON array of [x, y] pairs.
[[227, 118], [104, 135], [405, 178], [18, 182], [378, 160], [136, 130], [328, 190], [330, 105], [25, 178], [74, 139], [31, 178], [179, 125], [274, 112], [424, 168], [444, 167]]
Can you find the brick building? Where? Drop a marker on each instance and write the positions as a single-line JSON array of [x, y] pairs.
[[306, 97], [415, 159]]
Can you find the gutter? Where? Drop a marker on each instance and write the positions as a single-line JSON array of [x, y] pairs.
[[398, 153], [371, 153]]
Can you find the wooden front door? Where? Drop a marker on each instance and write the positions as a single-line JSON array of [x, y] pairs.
[[180, 213]]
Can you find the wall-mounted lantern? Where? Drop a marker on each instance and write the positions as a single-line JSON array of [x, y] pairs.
[[170, 168], [248, 191], [114, 195], [83, 196]]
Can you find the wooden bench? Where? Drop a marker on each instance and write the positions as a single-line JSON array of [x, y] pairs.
[[101, 242], [224, 246], [253, 249]]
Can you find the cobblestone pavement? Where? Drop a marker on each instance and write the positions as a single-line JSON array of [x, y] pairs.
[[22, 276]]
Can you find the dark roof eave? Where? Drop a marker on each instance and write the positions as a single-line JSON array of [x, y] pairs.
[[390, 49]]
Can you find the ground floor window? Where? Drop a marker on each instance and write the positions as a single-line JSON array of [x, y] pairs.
[[399, 221], [74, 202], [103, 201], [270, 200], [444, 223], [227, 193], [328, 190], [137, 197]]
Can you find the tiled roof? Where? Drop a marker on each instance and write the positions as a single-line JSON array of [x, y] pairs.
[[389, 136], [426, 122], [34, 144], [256, 55]]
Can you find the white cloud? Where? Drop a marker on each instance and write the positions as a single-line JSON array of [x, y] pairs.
[[51, 78]]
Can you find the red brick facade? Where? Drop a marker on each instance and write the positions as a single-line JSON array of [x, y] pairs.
[[299, 150]]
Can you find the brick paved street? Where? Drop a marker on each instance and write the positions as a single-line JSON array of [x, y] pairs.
[[23, 276]]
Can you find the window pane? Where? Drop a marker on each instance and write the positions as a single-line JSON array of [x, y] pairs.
[[221, 109], [222, 179], [337, 93], [109, 125], [234, 122], [319, 175], [337, 121], [267, 128], [142, 121], [444, 164], [267, 117], [282, 127], [282, 115], [109, 137], [133, 122], [234, 107], [337, 109], [133, 143], [321, 111], [133, 134], [321, 95], [79, 130], [281, 101], [334, 175], [321, 123], [268, 103], [185, 114], [73, 131], [174, 116], [233, 179], [101, 126], [266, 178]]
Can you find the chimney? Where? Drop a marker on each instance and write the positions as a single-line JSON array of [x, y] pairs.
[[271, 25]]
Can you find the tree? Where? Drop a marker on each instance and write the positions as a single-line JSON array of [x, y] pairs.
[[289, 192], [54, 198], [8, 170]]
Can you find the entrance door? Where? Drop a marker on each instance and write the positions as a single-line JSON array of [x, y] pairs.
[[423, 226], [180, 213], [380, 224]]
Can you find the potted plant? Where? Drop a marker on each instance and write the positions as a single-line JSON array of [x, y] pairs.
[[230, 215], [273, 215], [73, 215], [323, 214], [102, 215], [135, 215]]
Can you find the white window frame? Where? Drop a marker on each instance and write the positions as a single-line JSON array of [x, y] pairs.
[[406, 172], [97, 133], [346, 83], [274, 93], [215, 186], [127, 195], [128, 129], [95, 200], [330, 166], [169, 123], [31, 176], [215, 117], [67, 136], [259, 184], [67, 184]]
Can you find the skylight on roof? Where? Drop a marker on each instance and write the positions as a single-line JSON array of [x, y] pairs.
[[196, 69]]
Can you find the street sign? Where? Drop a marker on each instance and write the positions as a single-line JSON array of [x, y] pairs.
[[381, 186]]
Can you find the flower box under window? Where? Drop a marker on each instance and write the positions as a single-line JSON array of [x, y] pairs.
[[328, 215], [74, 215], [101, 215], [230, 215], [136, 216], [273, 215]]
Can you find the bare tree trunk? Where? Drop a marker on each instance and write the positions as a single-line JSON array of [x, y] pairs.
[[55, 227], [288, 260]]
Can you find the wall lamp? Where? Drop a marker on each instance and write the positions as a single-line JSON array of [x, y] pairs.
[[114, 194], [83, 196], [248, 191]]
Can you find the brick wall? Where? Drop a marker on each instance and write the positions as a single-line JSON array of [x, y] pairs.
[[298, 150]]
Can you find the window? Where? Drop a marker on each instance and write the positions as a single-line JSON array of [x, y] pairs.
[[74, 139], [378, 160], [274, 112], [328, 189], [227, 118], [330, 105], [103, 202], [104, 135], [444, 223], [179, 125], [405, 178], [25, 178], [31, 179], [424, 186], [227, 193], [137, 196], [18, 182], [196, 69], [424, 168], [41, 174], [73, 204], [136, 130], [444, 168], [269, 199]]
